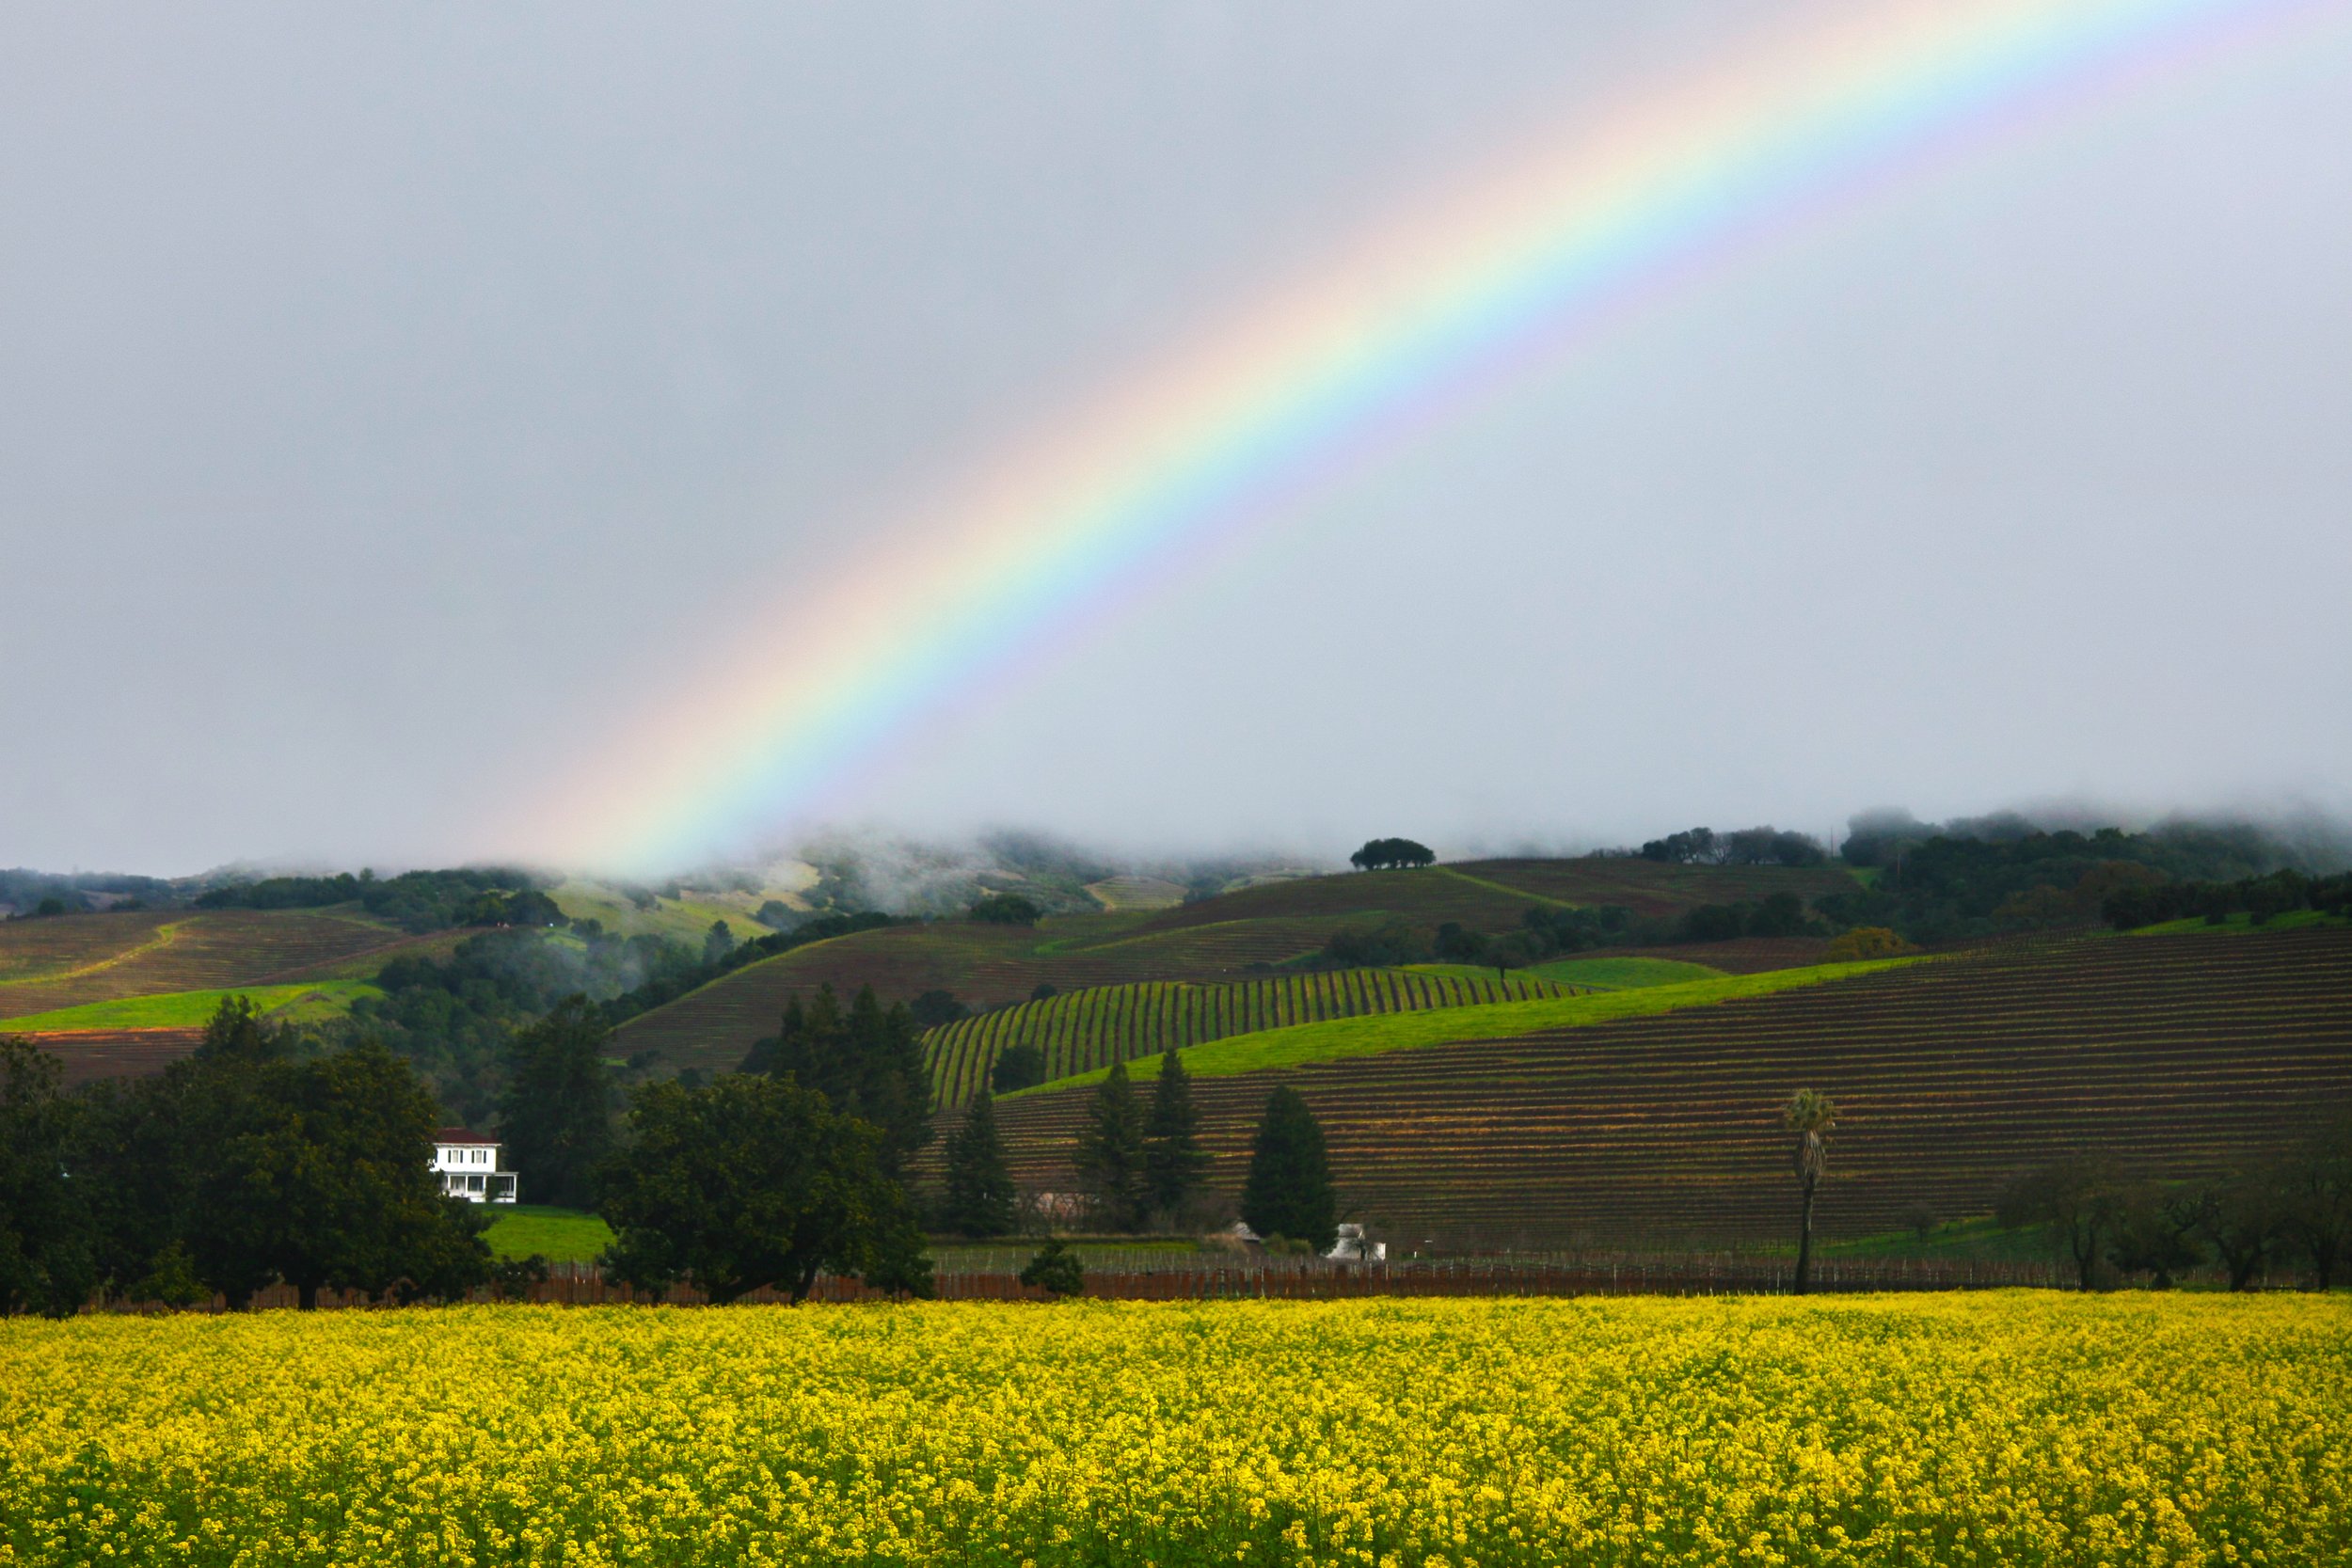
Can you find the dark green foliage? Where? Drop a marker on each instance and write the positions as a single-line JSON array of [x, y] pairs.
[[935, 1008], [1390, 942], [415, 900], [528, 907], [866, 1063], [752, 1181], [1976, 878], [46, 1261], [2262, 897], [2243, 1219], [1548, 933], [1056, 1270], [49, 908], [1781, 914], [1390, 854], [24, 891], [1006, 908], [1018, 1066], [2314, 1184], [454, 1019], [777, 915], [1043, 992], [511, 1279], [1289, 1190], [1174, 1163], [717, 943], [322, 1179], [249, 1162], [1459, 945], [1765, 846], [1110, 1158], [2153, 1233], [980, 1199], [2079, 1197], [556, 1114]]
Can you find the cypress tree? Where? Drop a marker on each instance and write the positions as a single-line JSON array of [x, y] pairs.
[[1174, 1163], [556, 1114], [1289, 1192], [867, 1064], [1110, 1158], [980, 1200]]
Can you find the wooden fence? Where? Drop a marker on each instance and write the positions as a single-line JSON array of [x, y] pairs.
[[581, 1285]]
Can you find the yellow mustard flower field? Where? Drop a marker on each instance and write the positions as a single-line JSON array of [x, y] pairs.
[[2022, 1428]]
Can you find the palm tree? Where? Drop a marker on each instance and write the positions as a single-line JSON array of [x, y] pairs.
[[1809, 1116]]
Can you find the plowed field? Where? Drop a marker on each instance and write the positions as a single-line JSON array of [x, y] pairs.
[[2178, 1056], [74, 960]]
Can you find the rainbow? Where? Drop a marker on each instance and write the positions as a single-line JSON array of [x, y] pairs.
[[1388, 342]]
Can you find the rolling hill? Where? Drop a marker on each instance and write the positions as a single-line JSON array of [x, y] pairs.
[[1216, 939], [72, 960], [2177, 1056], [1081, 1031]]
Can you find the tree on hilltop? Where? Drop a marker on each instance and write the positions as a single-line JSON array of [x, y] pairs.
[[1389, 854], [1006, 908]]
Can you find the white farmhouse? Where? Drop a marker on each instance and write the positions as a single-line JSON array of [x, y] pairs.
[[468, 1164]]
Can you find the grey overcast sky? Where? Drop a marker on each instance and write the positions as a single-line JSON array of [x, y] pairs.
[[394, 399]]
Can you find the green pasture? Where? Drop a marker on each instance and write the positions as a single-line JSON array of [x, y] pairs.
[[1625, 974], [1979, 1238], [1376, 1034], [191, 1010], [681, 920], [558, 1235], [2240, 925]]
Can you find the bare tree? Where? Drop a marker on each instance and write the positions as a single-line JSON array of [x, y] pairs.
[[1809, 1116]]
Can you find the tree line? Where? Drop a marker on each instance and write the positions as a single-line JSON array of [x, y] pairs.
[[1140, 1164], [2260, 898], [2292, 1209]]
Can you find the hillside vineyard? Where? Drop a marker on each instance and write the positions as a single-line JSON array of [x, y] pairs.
[[2178, 1055], [1092, 1029]]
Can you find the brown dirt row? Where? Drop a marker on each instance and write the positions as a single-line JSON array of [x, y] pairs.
[[1953, 1075], [207, 950]]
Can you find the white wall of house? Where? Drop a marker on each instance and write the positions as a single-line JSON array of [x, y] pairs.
[[469, 1170]]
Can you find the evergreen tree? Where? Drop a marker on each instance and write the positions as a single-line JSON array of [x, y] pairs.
[[46, 1261], [1289, 1192], [893, 1084], [1174, 1163], [750, 1181], [556, 1114], [980, 1200], [868, 1062], [1109, 1158]]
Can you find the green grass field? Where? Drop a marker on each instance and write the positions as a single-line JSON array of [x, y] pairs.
[[1340, 1038], [684, 920], [2241, 925], [1622, 974], [558, 1235], [189, 1010]]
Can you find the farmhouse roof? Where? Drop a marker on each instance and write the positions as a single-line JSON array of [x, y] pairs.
[[459, 1135]]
